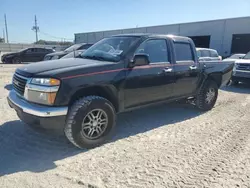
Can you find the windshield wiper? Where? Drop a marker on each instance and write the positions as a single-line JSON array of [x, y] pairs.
[[100, 58], [94, 57]]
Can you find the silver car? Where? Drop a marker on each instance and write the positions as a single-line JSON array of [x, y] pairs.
[[234, 57], [207, 54]]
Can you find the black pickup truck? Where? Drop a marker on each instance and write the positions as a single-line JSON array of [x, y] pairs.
[[82, 96]]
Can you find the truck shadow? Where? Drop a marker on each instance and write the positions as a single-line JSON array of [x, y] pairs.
[[23, 149], [241, 88]]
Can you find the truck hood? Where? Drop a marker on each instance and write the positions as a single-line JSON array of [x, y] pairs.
[[10, 54], [243, 61], [44, 66], [60, 53]]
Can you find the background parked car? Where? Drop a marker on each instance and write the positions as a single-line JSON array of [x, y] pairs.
[[234, 57], [60, 54], [26, 55], [241, 71], [73, 54], [207, 54]]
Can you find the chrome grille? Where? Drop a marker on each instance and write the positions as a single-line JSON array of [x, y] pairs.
[[243, 66], [19, 83]]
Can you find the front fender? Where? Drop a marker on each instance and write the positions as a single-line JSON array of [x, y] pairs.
[[67, 95]]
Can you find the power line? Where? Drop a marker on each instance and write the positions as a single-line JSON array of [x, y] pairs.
[[62, 38]]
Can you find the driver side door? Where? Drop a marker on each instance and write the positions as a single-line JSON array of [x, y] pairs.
[[150, 83], [28, 55]]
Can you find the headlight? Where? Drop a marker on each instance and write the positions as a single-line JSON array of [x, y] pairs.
[[40, 97], [45, 81], [55, 57], [9, 56], [235, 66], [42, 90]]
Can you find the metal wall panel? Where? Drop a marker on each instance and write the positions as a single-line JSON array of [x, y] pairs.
[[164, 29], [212, 28], [110, 33], [234, 26], [221, 32]]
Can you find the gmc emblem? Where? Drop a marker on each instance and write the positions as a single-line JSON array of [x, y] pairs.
[[15, 82]]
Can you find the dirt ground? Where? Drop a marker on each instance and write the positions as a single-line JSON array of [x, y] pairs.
[[162, 146]]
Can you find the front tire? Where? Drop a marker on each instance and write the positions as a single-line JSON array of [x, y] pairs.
[[16, 60], [207, 96], [90, 122], [235, 82]]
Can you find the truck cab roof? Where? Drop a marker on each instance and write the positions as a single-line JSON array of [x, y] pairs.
[[175, 38]]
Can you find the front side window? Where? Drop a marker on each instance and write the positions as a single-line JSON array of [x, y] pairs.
[[183, 52], [30, 50], [110, 49], [156, 49]]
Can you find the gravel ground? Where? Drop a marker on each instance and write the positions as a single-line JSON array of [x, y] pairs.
[[163, 146]]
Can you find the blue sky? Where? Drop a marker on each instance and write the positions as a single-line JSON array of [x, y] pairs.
[[62, 18]]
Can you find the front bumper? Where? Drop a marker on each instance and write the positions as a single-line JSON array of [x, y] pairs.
[[3, 59], [38, 115], [242, 76]]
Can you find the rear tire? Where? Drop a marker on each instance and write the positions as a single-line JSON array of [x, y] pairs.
[[90, 122], [207, 96]]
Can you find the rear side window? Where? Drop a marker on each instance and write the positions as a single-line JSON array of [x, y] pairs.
[[205, 53], [183, 52], [40, 50], [214, 53]]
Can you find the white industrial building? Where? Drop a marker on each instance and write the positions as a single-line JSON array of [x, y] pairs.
[[225, 35]]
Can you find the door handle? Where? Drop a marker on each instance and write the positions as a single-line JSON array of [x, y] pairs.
[[193, 67]]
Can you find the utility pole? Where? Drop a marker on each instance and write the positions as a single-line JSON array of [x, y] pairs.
[[36, 29], [6, 28]]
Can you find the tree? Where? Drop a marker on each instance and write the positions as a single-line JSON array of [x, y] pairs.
[[1, 40], [44, 42]]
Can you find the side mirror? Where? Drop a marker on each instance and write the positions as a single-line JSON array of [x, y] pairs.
[[140, 60]]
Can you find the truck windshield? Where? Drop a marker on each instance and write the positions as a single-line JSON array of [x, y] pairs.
[[236, 56], [110, 49], [247, 56]]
